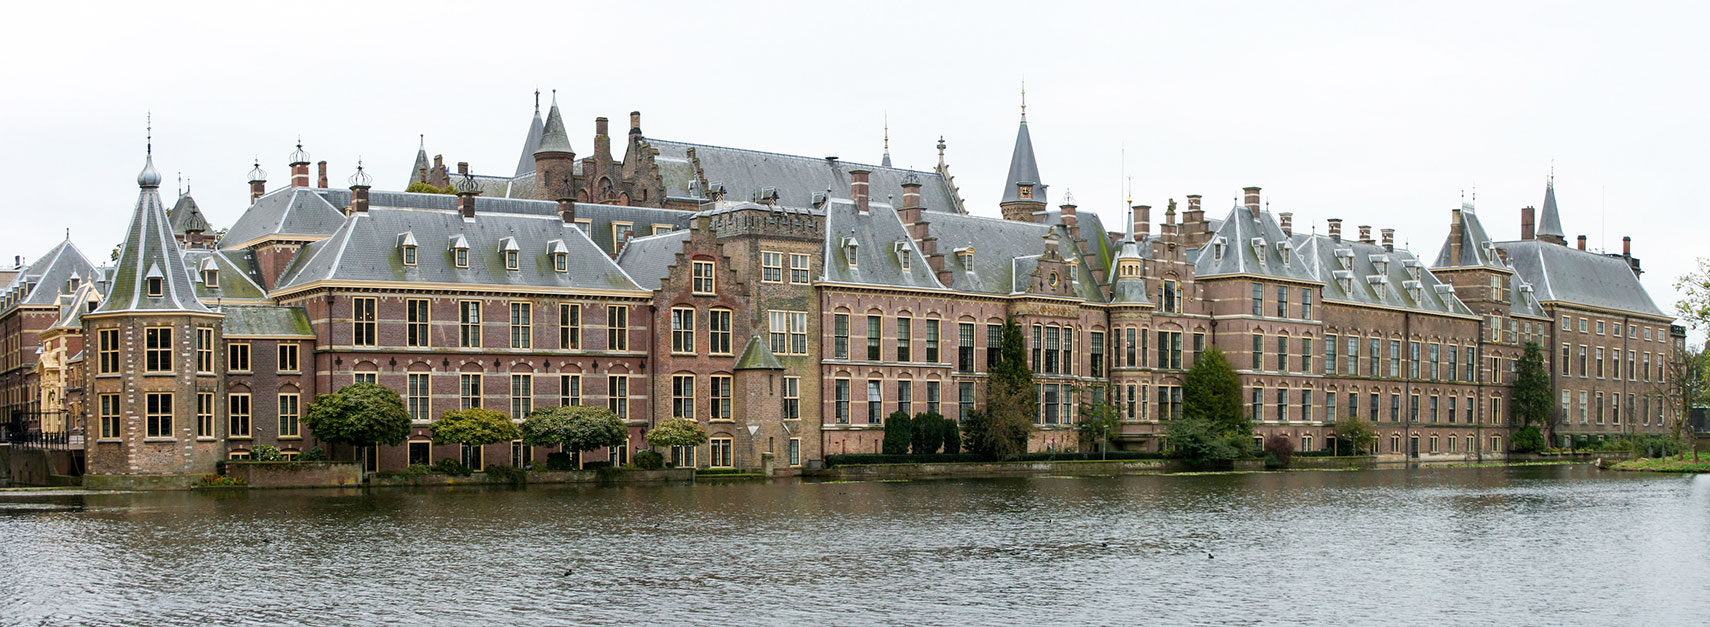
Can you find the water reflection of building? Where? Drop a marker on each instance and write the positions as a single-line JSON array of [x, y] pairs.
[[790, 303]]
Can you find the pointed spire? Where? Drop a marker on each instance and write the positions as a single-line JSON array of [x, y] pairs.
[[887, 160], [1023, 100], [1023, 184], [1550, 221], [149, 178], [552, 135], [531, 141], [150, 274]]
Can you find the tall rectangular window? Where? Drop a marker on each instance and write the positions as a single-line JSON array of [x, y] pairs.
[[1306, 303], [569, 390], [1051, 340], [933, 397], [682, 330], [158, 419], [289, 406], [469, 323], [1282, 353], [792, 398], [108, 340], [905, 396], [617, 327], [718, 450], [994, 344], [204, 349], [771, 267], [795, 452], [874, 325], [1412, 360], [570, 326], [840, 401], [617, 395], [1330, 360], [798, 333], [965, 347], [1282, 301], [721, 386], [237, 415], [1454, 361], [1258, 299], [1258, 351], [204, 414], [1374, 356], [1096, 352], [683, 396], [718, 332], [1436, 354], [288, 361], [931, 341], [362, 320], [799, 269], [875, 402], [158, 349], [109, 416], [840, 336], [1395, 358], [905, 339], [522, 325], [1129, 357], [469, 391], [417, 392], [237, 357], [522, 396], [416, 318], [703, 278], [1306, 405]]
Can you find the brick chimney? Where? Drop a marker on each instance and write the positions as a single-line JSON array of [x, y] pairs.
[[467, 190], [359, 197], [1070, 220], [257, 183], [1251, 200], [1193, 222], [1142, 221], [1626, 246], [1287, 222], [321, 181], [858, 188], [909, 212], [300, 169], [1366, 234], [567, 210], [635, 122], [1388, 239], [1457, 235], [1335, 230], [1582, 242], [1528, 223]]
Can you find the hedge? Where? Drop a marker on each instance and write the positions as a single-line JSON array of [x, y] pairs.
[[963, 458]]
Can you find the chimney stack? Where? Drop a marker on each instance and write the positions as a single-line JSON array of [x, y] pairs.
[[1626, 246], [358, 188], [321, 182], [1582, 242], [1457, 233], [257, 183], [1142, 221], [1287, 220], [1389, 239], [1528, 223], [1335, 230], [1070, 220], [1252, 200], [635, 122], [467, 190], [463, 168], [299, 167], [1366, 234], [600, 125], [858, 188], [909, 212], [567, 210]]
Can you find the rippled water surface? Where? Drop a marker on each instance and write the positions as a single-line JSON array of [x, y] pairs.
[[1555, 545]]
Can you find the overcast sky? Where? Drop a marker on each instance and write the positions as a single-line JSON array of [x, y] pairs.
[[1378, 113]]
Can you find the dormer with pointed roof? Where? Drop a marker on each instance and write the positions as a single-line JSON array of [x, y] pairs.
[[151, 275]]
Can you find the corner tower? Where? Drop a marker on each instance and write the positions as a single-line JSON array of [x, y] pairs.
[[1023, 193]]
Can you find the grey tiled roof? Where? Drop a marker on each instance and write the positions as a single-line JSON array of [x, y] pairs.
[[600, 217], [1005, 252], [1550, 219], [1569, 275], [150, 250], [1350, 273], [74, 305], [552, 135], [266, 320], [758, 356], [299, 211], [1023, 168], [797, 178], [531, 143], [1237, 231], [236, 280], [367, 248], [881, 243], [186, 217], [50, 276], [647, 260], [1476, 250], [1129, 290]]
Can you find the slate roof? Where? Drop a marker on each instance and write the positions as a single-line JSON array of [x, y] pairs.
[[1569, 275], [1476, 250], [531, 142], [237, 278], [1005, 252], [1550, 220], [1023, 168], [1129, 290], [366, 248], [758, 356], [797, 178], [268, 320], [881, 243], [648, 259], [150, 250], [1348, 268], [552, 135], [186, 217], [288, 211], [1237, 232], [42, 282], [74, 305]]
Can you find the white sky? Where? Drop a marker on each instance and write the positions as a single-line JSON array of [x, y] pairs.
[[1379, 113]]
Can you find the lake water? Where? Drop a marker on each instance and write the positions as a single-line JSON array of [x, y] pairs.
[[1539, 545]]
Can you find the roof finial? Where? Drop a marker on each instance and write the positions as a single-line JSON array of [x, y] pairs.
[[1552, 171], [181, 184], [151, 136], [887, 159], [1024, 99], [422, 138], [554, 97], [940, 151], [537, 101]]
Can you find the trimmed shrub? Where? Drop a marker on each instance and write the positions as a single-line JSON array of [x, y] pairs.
[[952, 436], [1278, 451], [265, 453], [314, 454], [953, 458], [512, 474], [927, 433], [450, 466], [899, 433], [649, 460], [559, 462]]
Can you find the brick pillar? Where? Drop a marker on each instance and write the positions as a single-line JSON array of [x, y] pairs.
[[1528, 223], [1251, 200], [1335, 230], [1287, 222], [321, 181], [858, 189]]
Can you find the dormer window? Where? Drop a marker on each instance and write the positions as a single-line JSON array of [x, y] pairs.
[[409, 255], [407, 247], [850, 248], [1025, 191], [1217, 246], [560, 256], [211, 278], [1285, 249], [511, 260], [71, 284], [903, 258], [1345, 258], [460, 257], [512, 254], [156, 286], [965, 256]]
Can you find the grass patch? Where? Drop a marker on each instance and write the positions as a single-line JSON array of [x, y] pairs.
[[1665, 464]]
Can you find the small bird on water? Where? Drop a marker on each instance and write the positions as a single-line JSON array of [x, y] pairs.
[[1210, 556]]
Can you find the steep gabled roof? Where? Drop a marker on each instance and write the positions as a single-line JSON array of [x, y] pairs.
[[186, 217], [1477, 250], [289, 211], [50, 276], [151, 251], [648, 259], [758, 356], [881, 244], [235, 279], [1023, 169], [552, 135], [1006, 252], [531, 142], [1351, 273], [1238, 232]]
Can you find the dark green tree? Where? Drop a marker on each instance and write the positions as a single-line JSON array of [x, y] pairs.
[[1532, 400], [577, 428], [1100, 419], [359, 415], [928, 433], [952, 437], [899, 433], [1353, 436], [473, 427], [676, 432], [1213, 425], [1011, 401]]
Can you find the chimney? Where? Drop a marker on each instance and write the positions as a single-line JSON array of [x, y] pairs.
[[1070, 220], [300, 174], [909, 212], [257, 183], [635, 122], [1193, 222], [1457, 233], [321, 182], [1582, 242], [358, 188], [1287, 220], [1142, 221], [1366, 234], [858, 188], [463, 168], [1626, 246], [467, 190], [1389, 239], [1252, 200], [437, 178], [600, 125], [602, 142], [1335, 230], [567, 210], [1528, 223]]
